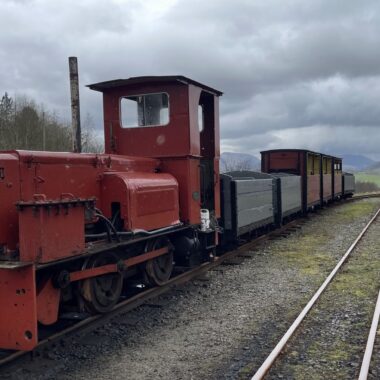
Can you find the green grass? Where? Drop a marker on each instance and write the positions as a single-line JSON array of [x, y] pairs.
[[368, 177]]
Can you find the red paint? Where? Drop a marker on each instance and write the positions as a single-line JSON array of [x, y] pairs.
[[47, 302], [18, 311], [187, 172], [148, 200], [112, 268]]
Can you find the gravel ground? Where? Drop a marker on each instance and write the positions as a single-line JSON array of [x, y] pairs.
[[220, 326]]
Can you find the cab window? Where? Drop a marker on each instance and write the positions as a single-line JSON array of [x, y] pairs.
[[150, 110]]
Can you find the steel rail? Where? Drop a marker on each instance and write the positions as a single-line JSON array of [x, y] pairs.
[[267, 364], [364, 196], [370, 342]]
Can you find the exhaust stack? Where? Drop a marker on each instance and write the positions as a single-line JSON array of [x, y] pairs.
[[75, 106]]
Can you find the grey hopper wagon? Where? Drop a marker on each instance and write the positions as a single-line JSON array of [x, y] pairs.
[[248, 202], [348, 184], [288, 195]]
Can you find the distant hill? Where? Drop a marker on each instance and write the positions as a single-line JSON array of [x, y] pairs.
[[230, 161], [356, 162], [374, 168]]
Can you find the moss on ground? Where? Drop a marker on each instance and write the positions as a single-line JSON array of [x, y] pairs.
[[310, 254], [354, 210], [354, 292]]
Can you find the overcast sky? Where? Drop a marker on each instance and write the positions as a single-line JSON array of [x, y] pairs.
[[295, 73]]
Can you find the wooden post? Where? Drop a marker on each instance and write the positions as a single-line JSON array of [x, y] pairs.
[[75, 107]]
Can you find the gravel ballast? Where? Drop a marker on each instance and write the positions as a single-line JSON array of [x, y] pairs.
[[223, 325]]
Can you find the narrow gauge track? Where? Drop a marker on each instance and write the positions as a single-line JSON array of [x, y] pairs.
[[370, 342], [284, 341], [91, 323]]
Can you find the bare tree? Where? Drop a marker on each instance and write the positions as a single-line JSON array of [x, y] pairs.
[[90, 141], [6, 114], [24, 125]]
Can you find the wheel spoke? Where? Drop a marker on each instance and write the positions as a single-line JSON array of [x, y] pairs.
[[101, 293]]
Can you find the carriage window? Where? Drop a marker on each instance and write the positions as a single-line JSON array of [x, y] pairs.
[[200, 118], [151, 110]]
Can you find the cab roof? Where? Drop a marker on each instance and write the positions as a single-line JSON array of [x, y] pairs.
[[103, 86], [300, 150]]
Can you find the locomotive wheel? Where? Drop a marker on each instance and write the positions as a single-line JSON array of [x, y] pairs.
[[158, 270], [100, 294]]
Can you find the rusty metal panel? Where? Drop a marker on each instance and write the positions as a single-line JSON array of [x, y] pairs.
[[18, 312], [50, 230], [48, 298], [54, 174]]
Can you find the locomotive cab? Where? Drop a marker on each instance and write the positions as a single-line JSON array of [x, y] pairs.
[[175, 120]]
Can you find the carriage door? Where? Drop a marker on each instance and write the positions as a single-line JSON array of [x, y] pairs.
[[206, 125]]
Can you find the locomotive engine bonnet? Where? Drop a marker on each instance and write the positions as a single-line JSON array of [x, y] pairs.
[[127, 185]]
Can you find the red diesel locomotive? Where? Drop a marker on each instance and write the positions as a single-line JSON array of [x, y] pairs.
[[74, 226]]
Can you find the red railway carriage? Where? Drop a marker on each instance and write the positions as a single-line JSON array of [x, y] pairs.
[[73, 227], [305, 163]]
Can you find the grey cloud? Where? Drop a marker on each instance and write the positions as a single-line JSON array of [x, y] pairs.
[[337, 101], [284, 66]]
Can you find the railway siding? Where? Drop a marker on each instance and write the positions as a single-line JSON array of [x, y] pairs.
[[331, 341], [374, 372]]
